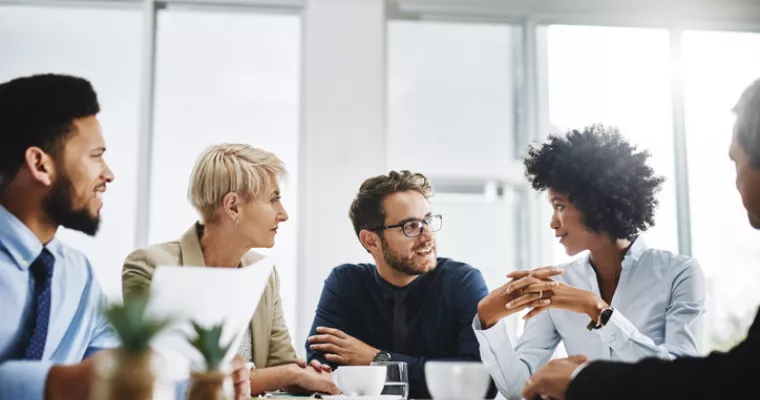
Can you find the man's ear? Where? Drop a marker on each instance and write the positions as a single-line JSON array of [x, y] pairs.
[[40, 165], [370, 240]]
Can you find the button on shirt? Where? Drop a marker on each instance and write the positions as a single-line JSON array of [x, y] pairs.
[[76, 327], [659, 310]]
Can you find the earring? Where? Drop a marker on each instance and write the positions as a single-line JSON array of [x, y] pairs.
[[235, 221]]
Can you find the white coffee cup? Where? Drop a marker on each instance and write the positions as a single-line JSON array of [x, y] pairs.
[[448, 380], [360, 380]]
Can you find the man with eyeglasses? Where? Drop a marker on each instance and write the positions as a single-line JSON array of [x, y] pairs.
[[410, 306]]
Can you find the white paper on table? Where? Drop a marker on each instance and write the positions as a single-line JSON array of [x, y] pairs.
[[208, 296]]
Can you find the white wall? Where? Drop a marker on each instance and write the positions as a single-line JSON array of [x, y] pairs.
[[343, 137]]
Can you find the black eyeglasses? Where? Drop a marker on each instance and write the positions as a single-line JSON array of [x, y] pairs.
[[413, 228]]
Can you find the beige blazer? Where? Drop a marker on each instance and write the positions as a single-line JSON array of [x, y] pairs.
[[271, 340]]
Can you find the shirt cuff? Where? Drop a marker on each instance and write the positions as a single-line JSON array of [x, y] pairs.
[[24, 379], [493, 333], [618, 330], [476, 325], [578, 370], [495, 338]]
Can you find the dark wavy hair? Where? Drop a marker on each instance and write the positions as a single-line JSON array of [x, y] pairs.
[[367, 210], [39, 111], [603, 175]]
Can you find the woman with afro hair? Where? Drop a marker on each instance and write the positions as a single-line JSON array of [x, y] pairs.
[[624, 300]]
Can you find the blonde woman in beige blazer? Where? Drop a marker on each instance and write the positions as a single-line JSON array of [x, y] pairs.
[[235, 189]]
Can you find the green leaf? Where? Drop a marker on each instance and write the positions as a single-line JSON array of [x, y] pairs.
[[208, 344], [130, 323]]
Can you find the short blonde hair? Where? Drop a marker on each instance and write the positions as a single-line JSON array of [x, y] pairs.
[[231, 168]]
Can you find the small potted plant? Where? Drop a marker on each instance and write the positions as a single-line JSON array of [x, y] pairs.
[[130, 375], [208, 385]]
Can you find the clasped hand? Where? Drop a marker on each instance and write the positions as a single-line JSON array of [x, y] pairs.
[[537, 291]]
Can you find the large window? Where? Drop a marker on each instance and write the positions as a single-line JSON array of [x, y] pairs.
[[103, 46], [459, 107], [225, 77], [617, 77], [451, 116], [719, 66], [450, 98]]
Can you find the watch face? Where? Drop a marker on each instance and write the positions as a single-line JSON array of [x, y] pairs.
[[382, 357], [606, 315]]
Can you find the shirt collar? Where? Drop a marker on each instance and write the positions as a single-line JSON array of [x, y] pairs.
[[190, 246], [385, 288], [20, 242], [638, 247], [191, 250], [630, 258]]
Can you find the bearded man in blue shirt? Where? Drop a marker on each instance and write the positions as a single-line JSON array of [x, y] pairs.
[[52, 174]]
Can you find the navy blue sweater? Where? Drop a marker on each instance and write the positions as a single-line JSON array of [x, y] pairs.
[[441, 305]]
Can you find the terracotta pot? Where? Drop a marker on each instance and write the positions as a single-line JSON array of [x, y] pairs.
[[206, 386], [125, 376]]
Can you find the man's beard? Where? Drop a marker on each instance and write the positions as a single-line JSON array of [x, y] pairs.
[[59, 208], [399, 263]]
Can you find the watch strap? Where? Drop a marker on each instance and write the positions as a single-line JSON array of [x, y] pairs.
[[604, 316]]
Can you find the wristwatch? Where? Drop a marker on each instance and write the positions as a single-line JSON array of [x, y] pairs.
[[604, 317], [382, 356]]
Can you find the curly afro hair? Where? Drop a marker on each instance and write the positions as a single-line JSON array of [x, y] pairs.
[[603, 175]]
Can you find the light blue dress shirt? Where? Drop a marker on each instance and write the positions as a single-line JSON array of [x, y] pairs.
[[659, 310], [77, 327]]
